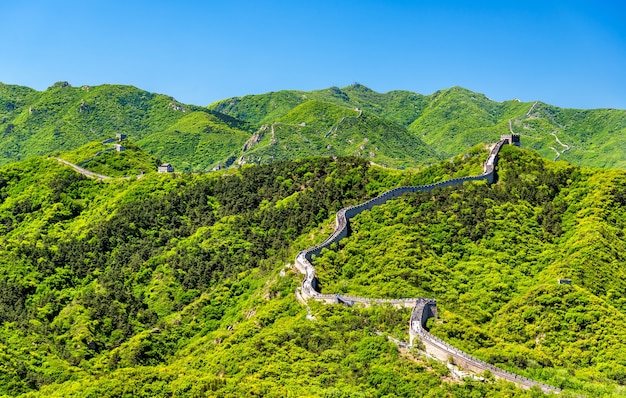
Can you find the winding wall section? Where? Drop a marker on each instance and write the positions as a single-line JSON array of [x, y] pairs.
[[84, 171], [423, 308]]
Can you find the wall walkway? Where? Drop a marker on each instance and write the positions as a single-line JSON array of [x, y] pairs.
[[85, 172]]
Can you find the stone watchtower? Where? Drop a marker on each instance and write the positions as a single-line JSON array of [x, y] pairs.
[[512, 139]]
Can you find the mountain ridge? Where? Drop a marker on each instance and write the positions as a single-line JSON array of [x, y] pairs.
[[64, 117], [195, 138], [454, 118]]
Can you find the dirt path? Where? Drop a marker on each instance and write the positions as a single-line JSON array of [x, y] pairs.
[[565, 146]]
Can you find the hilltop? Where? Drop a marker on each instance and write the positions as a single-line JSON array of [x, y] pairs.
[[316, 128], [196, 138], [65, 117], [113, 158]]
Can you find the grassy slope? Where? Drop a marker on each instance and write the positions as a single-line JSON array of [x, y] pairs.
[[260, 109], [456, 118], [130, 162], [316, 127], [401, 107], [198, 141], [195, 139]]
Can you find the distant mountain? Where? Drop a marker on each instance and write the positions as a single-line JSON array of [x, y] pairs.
[[65, 117], [401, 107], [395, 129], [453, 119], [278, 126], [323, 128]]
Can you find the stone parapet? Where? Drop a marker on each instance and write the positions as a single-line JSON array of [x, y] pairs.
[[443, 351], [304, 258], [423, 308]]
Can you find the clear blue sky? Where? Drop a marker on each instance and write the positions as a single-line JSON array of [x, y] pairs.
[[566, 53]]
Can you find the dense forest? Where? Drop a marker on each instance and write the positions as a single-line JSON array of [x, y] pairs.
[[183, 284]]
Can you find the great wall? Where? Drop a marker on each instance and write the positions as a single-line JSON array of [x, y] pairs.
[[423, 308]]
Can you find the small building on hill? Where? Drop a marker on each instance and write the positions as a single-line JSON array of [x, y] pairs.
[[119, 148], [120, 136], [166, 168]]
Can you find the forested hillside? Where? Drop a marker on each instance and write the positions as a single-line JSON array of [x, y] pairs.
[[104, 159], [322, 128], [194, 138], [65, 117], [396, 129], [182, 285]]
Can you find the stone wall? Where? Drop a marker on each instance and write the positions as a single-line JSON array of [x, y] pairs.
[[304, 258], [445, 352], [423, 309]]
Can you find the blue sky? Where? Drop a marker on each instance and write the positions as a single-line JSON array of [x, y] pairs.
[[566, 53]]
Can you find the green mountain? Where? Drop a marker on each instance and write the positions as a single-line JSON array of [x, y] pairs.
[[493, 257], [199, 139], [65, 117], [183, 285], [455, 119], [104, 158], [401, 107], [322, 128], [395, 129]]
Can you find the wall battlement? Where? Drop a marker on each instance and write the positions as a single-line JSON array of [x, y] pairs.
[[304, 258], [512, 139], [423, 308]]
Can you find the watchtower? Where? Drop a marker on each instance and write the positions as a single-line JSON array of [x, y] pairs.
[[165, 168], [512, 139]]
